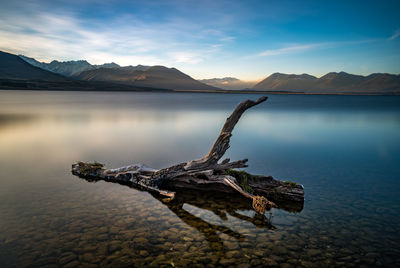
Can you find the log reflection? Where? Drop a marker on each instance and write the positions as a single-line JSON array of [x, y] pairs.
[[219, 204]]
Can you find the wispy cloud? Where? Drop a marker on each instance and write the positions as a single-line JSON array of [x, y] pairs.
[[395, 35], [298, 48], [289, 49], [125, 39], [186, 57], [57, 36]]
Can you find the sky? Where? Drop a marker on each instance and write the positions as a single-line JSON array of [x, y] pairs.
[[246, 39]]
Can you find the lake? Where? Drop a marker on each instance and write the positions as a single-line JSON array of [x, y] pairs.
[[344, 150]]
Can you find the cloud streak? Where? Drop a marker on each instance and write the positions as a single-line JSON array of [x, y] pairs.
[[124, 39], [298, 48], [289, 49], [395, 35], [186, 57]]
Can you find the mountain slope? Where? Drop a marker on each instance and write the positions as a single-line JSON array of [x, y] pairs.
[[339, 81], [155, 77], [386, 82], [332, 83], [228, 83], [13, 67], [67, 68], [287, 82]]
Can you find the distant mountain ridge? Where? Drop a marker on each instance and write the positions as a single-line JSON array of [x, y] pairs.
[[333, 82], [154, 76], [228, 83], [21, 72], [67, 68], [279, 81], [13, 67], [139, 76]]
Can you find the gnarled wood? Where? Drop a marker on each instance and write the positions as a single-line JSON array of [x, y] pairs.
[[222, 143], [204, 171]]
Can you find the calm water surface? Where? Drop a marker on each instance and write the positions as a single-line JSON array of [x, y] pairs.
[[345, 150]]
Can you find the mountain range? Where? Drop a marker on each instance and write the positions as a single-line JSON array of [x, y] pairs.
[[332, 83], [17, 74], [159, 77], [71, 68], [153, 76], [21, 72]]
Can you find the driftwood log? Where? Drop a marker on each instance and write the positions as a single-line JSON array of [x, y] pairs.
[[207, 173]]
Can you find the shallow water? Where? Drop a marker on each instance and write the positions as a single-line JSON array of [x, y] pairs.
[[345, 150]]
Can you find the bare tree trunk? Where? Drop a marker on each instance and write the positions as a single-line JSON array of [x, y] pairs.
[[198, 173]]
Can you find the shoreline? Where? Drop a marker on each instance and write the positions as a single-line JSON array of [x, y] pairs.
[[96, 86], [154, 90], [289, 93]]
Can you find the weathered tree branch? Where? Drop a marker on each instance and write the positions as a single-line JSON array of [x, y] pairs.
[[204, 171], [222, 143]]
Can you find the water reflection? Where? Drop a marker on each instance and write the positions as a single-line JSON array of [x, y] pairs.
[[208, 230], [219, 204], [344, 149], [11, 120]]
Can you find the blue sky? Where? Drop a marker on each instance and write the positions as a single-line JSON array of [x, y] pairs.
[[205, 39]]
